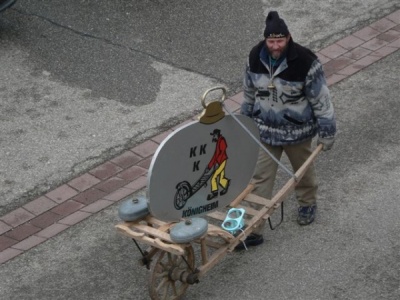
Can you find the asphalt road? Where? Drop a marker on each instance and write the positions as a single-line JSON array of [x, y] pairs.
[[83, 80]]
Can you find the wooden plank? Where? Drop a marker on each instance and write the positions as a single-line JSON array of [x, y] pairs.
[[166, 227], [258, 200], [218, 215], [173, 248], [204, 255], [177, 249], [242, 195], [252, 213], [145, 229], [249, 210], [213, 260], [213, 244], [218, 231], [154, 221], [153, 232]]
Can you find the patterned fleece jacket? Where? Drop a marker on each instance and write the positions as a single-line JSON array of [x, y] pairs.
[[299, 105]]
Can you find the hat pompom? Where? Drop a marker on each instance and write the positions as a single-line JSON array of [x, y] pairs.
[[272, 15]]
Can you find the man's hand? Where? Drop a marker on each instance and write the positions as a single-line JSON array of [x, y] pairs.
[[326, 142]]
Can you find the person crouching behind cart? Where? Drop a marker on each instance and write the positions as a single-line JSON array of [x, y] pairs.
[[286, 94]]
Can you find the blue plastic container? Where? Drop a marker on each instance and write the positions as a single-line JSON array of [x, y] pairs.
[[234, 220]]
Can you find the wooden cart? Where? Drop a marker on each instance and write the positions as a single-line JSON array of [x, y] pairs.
[[173, 267]]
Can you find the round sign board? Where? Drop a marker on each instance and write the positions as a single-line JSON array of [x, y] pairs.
[[200, 167]]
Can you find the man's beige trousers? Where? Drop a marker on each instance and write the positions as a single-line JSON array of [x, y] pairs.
[[266, 169]]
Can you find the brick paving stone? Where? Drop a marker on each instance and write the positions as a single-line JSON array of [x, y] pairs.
[[84, 182], [397, 28], [231, 105], [337, 64], [333, 51], [46, 219], [194, 118], [52, 230], [105, 170], [145, 149], [23, 231], [383, 25], [359, 65], [97, 206], [322, 58], [350, 70], [389, 36], [119, 194], [137, 184], [159, 138], [132, 173], [238, 98], [126, 159], [75, 218], [4, 227], [350, 42], [374, 44], [394, 17], [17, 217], [366, 33], [62, 193], [67, 208], [40, 205], [8, 254], [89, 196], [395, 44], [357, 53], [29, 243], [6, 242], [334, 78], [145, 163], [184, 123], [367, 60], [112, 184], [384, 51]]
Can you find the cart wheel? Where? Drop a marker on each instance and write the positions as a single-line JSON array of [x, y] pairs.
[[184, 191], [167, 272]]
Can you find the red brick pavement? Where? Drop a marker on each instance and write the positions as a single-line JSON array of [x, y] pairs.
[[80, 198]]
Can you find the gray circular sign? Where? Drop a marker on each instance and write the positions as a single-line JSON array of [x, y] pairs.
[[200, 167]]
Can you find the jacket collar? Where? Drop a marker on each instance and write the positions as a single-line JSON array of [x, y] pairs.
[[291, 52]]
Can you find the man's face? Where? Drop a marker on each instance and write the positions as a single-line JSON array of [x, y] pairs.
[[276, 46]]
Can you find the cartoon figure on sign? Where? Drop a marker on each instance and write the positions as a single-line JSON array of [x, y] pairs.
[[218, 164], [215, 170]]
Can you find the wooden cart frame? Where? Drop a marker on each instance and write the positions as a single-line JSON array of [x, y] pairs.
[[173, 267]]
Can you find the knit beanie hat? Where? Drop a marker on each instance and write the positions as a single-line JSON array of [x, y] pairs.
[[275, 26]]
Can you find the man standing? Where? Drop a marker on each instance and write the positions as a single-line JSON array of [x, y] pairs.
[[285, 92]]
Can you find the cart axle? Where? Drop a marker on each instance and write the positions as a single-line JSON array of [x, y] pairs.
[[184, 276]]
